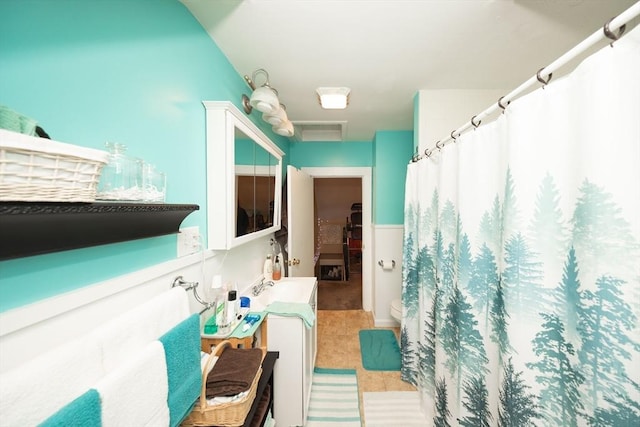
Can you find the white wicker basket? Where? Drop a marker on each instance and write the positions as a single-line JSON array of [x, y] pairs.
[[34, 169]]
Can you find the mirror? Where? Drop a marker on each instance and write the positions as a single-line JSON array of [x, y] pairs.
[[244, 160], [246, 166], [255, 185]]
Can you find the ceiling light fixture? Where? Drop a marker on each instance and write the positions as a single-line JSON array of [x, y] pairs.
[[265, 99], [333, 98]]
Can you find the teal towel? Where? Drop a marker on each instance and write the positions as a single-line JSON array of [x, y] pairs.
[[84, 411], [182, 352], [299, 309]]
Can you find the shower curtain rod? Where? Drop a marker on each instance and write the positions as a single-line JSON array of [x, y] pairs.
[[608, 31]]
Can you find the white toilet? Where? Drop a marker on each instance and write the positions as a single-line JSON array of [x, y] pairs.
[[396, 310]]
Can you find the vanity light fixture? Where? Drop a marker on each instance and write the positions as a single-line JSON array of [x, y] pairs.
[[333, 98], [276, 117], [285, 128], [265, 99]]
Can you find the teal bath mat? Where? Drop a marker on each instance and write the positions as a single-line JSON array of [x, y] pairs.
[[380, 350]]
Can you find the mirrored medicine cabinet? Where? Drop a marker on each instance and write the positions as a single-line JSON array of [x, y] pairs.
[[244, 177]]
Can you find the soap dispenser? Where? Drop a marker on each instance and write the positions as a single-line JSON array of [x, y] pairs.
[[267, 270], [277, 269]]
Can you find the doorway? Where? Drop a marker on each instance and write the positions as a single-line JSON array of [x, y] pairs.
[[363, 174], [338, 242]]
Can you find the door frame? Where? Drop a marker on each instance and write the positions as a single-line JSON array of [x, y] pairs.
[[364, 173]]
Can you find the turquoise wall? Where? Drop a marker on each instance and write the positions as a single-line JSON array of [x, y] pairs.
[[131, 71], [136, 72], [331, 154], [392, 152], [388, 156]]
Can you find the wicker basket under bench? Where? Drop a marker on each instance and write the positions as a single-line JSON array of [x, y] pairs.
[[242, 412]]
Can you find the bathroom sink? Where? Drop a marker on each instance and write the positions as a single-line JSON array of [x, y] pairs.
[[283, 291]]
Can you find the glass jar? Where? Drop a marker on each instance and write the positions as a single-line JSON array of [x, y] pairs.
[[154, 184], [120, 178]]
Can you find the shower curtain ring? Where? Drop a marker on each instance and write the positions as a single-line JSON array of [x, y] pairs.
[[504, 107], [439, 145], [473, 122], [416, 156], [427, 152], [610, 34], [541, 80], [453, 136]]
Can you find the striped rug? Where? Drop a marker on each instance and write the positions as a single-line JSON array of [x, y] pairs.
[[334, 399], [393, 409]]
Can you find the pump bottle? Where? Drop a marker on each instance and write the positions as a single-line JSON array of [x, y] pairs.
[[267, 270], [277, 269]]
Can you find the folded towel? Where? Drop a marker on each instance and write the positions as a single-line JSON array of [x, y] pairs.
[[135, 394], [130, 332], [299, 309], [34, 391], [233, 372], [182, 352], [81, 412], [16, 122], [219, 400]]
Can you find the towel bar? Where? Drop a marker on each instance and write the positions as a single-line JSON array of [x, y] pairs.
[[187, 286]]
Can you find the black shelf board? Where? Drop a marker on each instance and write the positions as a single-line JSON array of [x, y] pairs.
[[35, 228], [266, 378]]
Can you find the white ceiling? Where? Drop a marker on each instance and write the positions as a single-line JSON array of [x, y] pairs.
[[387, 50]]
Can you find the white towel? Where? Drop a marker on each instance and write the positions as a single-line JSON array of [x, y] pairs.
[[135, 393], [32, 392], [130, 332]]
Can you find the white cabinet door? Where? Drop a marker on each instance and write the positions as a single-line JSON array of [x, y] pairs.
[[310, 350], [286, 335], [293, 371]]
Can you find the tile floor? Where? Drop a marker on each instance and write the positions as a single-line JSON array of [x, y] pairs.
[[339, 347]]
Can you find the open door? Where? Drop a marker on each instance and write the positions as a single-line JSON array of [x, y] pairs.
[[300, 242]]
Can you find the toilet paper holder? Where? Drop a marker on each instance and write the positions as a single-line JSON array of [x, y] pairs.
[[393, 263]]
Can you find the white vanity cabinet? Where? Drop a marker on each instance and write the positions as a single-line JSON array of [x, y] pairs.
[[293, 373]]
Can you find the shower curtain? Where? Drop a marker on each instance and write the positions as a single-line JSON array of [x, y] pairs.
[[521, 263]]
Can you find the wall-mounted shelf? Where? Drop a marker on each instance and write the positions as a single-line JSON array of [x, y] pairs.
[[33, 228]]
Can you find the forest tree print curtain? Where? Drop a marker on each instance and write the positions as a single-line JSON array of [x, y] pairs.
[[521, 263]]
